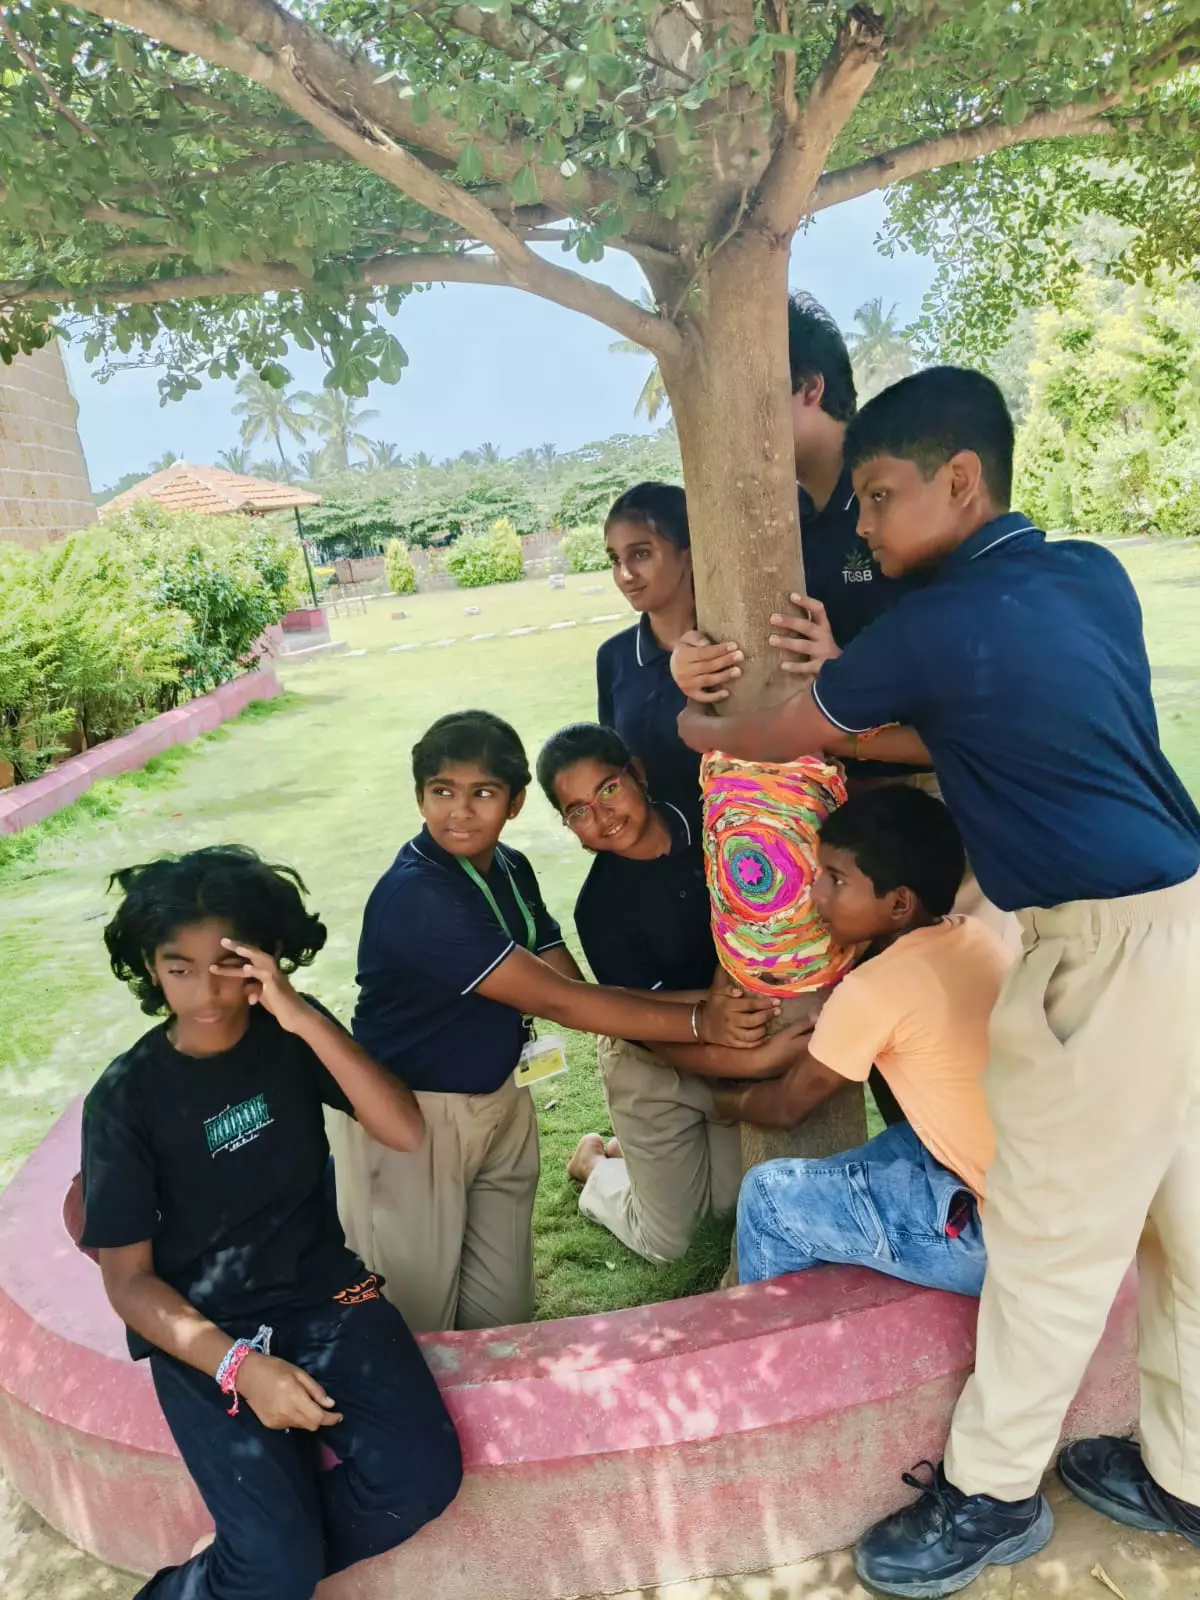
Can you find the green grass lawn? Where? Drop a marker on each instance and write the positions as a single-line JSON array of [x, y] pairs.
[[322, 780]]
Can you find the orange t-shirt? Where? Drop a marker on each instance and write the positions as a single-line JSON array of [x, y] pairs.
[[919, 1011]]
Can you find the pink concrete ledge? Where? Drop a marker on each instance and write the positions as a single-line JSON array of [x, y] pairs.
[[721, 1434], [34, 802]]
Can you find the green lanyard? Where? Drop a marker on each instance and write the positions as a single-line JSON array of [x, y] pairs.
[[480, 883]]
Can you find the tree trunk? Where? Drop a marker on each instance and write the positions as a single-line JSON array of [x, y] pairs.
[[730, 395]]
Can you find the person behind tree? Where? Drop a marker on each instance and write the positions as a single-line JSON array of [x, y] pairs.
[[643, 919], [918, 1003], [206, 1197], [1022, 669], [649, 549], [457, 952]]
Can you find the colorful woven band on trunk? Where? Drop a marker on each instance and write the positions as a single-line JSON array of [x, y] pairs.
[[761, 822]]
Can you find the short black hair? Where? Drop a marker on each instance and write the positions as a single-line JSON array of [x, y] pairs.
[[578, 741], [661, 506], [901, 838], [816, 349], [931, 416], [479, 736], [262, 903]]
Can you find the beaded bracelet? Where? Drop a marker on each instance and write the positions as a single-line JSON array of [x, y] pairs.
[[227, 1372]]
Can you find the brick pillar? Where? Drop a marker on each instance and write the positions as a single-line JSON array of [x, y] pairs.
[[44, 488]]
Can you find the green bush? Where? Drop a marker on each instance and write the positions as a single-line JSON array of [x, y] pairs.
[[398, 566], [118, 623], [482, 558], [584, 549]]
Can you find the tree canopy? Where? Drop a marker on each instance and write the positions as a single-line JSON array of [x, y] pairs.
[[205, 182]]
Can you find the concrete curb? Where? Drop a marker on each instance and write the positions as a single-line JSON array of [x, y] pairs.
[[34, 802], [726, 1433]]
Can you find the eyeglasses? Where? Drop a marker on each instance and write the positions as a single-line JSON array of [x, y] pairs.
[[579, 816]]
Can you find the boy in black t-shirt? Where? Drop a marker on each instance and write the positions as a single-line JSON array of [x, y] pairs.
[[207, 1197]]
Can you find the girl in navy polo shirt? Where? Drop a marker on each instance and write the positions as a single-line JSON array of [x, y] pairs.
[[643, 919], [457, 950], [649, 545]]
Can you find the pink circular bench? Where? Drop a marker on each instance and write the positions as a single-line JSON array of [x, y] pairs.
[[721, 1434]]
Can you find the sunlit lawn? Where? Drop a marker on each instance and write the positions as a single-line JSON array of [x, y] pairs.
[[323, 782]]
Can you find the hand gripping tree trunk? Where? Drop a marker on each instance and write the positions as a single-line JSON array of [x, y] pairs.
[[729, 391]]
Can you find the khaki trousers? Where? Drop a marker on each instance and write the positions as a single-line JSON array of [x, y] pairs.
[[449, 1226], [1094, 1089], [678, 1165]]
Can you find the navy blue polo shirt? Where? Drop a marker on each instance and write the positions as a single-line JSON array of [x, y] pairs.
[[638, 697], [841, 573], [839, 569], [429, 939], [1023, 668], [646, 924]]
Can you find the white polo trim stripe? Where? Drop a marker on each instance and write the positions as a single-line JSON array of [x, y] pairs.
[[507, 951], [829, 716], [686, 824], [1003, 539]]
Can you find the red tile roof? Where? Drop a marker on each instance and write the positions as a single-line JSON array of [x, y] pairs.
[[211, 490]]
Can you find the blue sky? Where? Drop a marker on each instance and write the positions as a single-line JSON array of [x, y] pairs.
[[486, 364]]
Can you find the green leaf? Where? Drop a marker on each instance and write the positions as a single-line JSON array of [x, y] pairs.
[[392, 361], [470, 164], [276, 375], [1014, 107], [526, 190]]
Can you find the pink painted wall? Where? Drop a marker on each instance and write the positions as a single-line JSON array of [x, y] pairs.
[[720, 1434], [33, 802]]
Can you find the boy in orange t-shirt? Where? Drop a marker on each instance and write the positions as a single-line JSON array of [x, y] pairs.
[[917, 1006]]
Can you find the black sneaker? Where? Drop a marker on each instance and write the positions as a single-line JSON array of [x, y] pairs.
[[943, 1542], [1110, 1476]]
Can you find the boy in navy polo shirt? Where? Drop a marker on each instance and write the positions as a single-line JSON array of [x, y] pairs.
[[457, 951], [1022, 670]]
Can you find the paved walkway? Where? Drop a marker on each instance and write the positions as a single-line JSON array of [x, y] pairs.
[[36, 1564]]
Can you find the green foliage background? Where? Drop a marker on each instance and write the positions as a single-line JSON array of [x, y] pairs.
[[120, 622]]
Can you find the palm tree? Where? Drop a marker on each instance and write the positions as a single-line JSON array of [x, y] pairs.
[[338, 419], [272, 471], [168, 458], [421, 462], [653, 396], [880, 350], [489, 455], [235, 460], [548, 454], [270, 412], [383, 455], [312, 465]]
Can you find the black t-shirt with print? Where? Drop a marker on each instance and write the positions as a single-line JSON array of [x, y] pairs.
[[223, 1164]]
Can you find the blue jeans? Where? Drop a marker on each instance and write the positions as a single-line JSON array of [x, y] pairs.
[[885, 1205]]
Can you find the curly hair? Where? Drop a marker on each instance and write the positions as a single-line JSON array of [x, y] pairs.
[[263, 904]]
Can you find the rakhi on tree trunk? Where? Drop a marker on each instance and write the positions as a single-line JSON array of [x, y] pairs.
[[761, 826]]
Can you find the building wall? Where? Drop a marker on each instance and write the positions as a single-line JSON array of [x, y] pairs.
[[44, 488]]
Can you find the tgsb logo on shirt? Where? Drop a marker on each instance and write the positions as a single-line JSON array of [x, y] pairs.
[[237, 1125], [859, 568]]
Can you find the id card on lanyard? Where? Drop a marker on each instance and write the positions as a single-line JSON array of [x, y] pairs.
[[540, 1058]]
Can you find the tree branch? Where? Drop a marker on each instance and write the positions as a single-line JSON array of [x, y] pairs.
[[348, 80], [800, 157], [29, 62], [567, 289], [287, 70]]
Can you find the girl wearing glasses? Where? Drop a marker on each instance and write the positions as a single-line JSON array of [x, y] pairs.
[[457, 951], [649, 548], [643, 919]]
